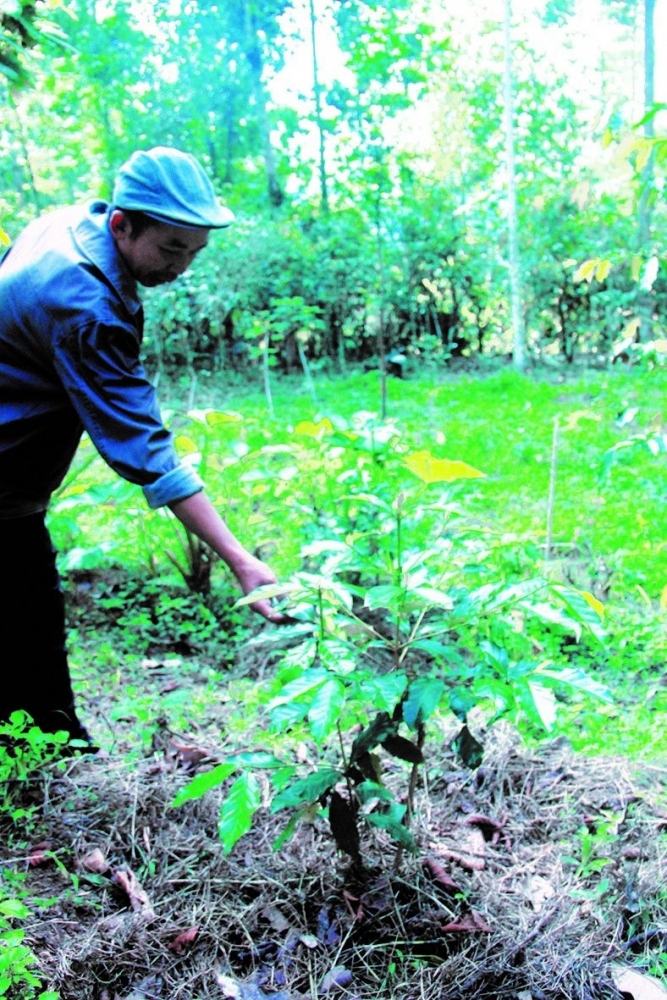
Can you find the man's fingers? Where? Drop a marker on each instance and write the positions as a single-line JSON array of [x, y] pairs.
[[266, 609]]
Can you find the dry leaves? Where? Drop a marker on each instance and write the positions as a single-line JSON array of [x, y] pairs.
[[637, 985], [132, 887]]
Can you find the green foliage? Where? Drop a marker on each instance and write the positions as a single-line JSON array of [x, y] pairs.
[[24, 750], [151, 615], [17, 960], [410, 257], [388, 635]]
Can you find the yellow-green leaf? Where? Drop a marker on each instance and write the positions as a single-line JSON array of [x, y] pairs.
[[644, 150], [439, 470], [266, 593], [631, 329], [586, 271], [185, 445], [315, 430], [214, 417], [593, 602], [602, 270]]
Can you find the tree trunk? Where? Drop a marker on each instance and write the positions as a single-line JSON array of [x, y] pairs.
[[254, 56], [519, 342], [317, 91], [645, 205]]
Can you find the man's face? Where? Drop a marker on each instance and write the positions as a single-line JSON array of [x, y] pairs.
[[160, 253]]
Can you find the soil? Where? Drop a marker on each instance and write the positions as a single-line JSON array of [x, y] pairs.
[[539, 875]]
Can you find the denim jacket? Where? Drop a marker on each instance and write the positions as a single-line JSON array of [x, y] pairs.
[[70, 334]]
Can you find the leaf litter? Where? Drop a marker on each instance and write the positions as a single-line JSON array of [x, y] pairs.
[[540, 875]]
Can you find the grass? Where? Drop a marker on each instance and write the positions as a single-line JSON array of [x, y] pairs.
[[604, 540], [503, 424], [168, 701]]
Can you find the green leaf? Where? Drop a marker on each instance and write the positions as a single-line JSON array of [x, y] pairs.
[[575, 677], [371, 499], [266, 593], [384, 596], [378, 730], [308, 681], [468, 749], [581, 610], [431, 596], [326, 707], [491, 598], [368, 791], [552, 616], [254, 758], [384, 692], [461, 702], [203, 783], [394, 828], [306, 790], [286, 832], [403, 749], [422, 699], [343, 823], [285, 717], [543, 703], [14, 909], [237, 810]]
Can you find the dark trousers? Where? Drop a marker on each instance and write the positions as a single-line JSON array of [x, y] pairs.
[[34, 674]]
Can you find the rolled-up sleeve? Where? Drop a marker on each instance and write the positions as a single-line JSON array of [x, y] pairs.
[[102, 374]]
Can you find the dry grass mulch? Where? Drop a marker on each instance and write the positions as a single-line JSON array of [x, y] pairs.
[[535, 874]]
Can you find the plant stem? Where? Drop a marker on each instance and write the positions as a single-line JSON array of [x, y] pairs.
[[552, 492]]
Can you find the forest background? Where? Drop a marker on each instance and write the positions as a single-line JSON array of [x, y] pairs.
[[410, 181]]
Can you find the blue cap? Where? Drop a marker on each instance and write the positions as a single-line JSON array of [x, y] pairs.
[[172, 187]]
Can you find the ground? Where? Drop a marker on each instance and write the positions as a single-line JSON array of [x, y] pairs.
[[539, 876]]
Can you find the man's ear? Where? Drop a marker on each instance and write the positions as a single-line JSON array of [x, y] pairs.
[[120, 225]]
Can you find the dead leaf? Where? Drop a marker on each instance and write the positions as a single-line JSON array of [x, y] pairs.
[[354, 905], [276, 918], [39, 854], [637, 985], [172, 685], [471, 864], [184, 941], [439, 875], [230, 987], [490, 827], [539, 890], [132, 887], [309, 940], [338, 978], [469, 923], [95, 861], [148, 989]]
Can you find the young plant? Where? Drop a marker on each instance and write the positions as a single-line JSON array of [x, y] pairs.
[[24, 749], [387, 635], [17, 960]]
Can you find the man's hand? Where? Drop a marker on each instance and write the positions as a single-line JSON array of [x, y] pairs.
[[199, 516], [253, 573]]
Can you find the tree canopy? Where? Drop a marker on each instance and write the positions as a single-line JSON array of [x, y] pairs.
[[363, 147]]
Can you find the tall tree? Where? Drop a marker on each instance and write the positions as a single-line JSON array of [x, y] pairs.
[[518, 324], [647, 192], [317, 93]]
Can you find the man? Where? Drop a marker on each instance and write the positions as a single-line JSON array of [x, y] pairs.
[[70, 335]]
